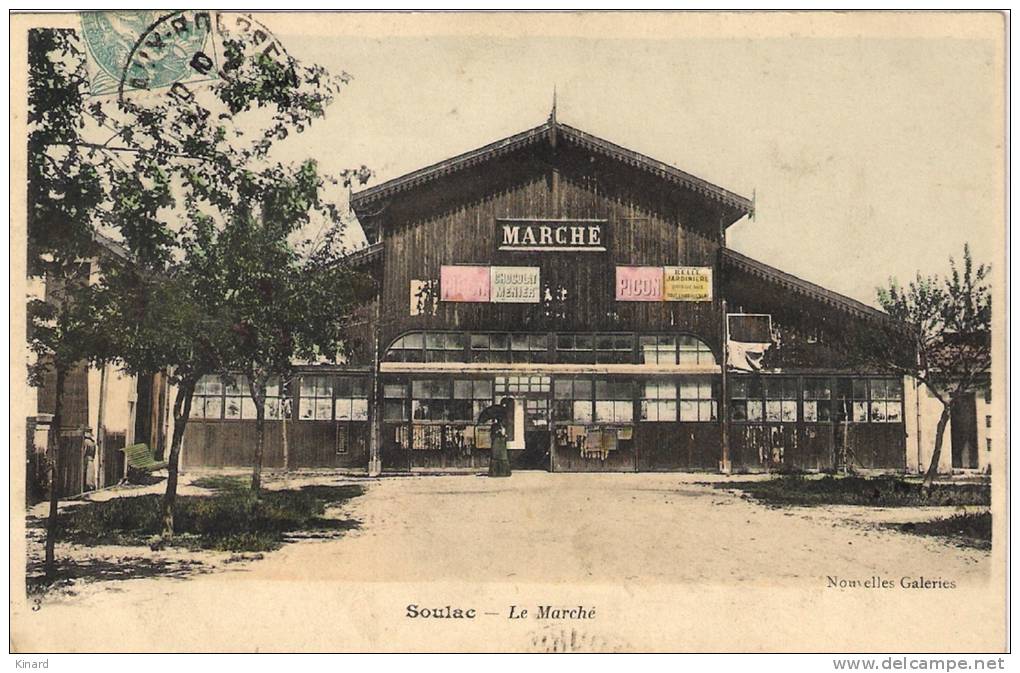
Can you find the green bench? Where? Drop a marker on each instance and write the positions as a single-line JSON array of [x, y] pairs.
[[139, 457]]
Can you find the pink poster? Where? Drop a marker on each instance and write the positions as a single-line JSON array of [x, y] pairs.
[[464, 283], [639, 283]]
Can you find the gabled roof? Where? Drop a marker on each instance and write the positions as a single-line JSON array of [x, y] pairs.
[[559, 132], [801, 286], [365, 256]]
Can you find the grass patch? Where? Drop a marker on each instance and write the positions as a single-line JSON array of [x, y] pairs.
[[221, 483], [970, 530], [885, 491], [231, 519]]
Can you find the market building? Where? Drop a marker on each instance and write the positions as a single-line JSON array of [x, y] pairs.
[[593, 286]]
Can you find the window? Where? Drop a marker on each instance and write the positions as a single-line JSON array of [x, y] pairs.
[[693, 351], [490, 348], [988, 421], [614, 349], [886, 400], [575, 348], [988, 444], [852, 400], [316, 402], [658, 401], [513, 385], [444, 400], [658, 350], [817, 401], [229, 398], [408, 348], [471, 398], [780, 400], [351, 401], [697, 399], [207, 401], [529, 347], [745, 400], [444, 347], [395, 402], [614, 401], [572, 400]]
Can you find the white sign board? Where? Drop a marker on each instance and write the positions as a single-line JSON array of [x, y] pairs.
[[514, 284]]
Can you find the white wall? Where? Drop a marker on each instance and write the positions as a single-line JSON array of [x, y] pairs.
[[922, 411]]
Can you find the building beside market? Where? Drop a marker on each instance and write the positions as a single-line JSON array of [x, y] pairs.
[[593, 286]]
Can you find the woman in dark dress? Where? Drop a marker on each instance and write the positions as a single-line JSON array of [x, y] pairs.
[[499, 414]]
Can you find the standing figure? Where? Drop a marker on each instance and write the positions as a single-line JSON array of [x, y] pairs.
[[499, 416], [89, 450]]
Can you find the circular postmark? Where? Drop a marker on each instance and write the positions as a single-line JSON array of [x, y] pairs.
[[112, 38], [182, 48]]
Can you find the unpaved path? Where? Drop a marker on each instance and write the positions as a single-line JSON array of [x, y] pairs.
[[610, 538]]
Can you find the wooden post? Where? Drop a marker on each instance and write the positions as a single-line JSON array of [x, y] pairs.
[[374, 459], [725, 465], [101, 426]]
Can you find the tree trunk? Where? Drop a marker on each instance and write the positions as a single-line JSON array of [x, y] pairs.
[[936, 455], [257, 385], [55, 451], [182, 411]]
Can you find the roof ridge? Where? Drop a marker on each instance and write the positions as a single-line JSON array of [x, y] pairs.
[[812, 289], [634, 158]]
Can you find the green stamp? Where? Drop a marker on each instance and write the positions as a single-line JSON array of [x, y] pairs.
[[143, 49]]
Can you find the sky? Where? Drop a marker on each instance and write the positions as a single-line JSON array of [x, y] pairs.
[[873, 146]]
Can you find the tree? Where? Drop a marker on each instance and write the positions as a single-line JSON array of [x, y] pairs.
[[64, 196], [941, 337], [287, 301], [192, 172]]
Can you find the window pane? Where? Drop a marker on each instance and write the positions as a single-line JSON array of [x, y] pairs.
[[499, 342], [789, 412], [810, 411], [623, 412], [454, 342], [893, 412], [342, 409], [878, 389], [562, 389], [738, 410], [688, 389], [582, 412], [307, 386], [394, 411], [773, 410], [394, 390], [248, 407], [273, 408], [343, 386], [519, 342], [860, 389], [323, 409], [462, 390], [583, 342], [706, 411], [232, 408], [582, 389], [434, 341], [755, 411], [479, 341], [482, 390], [539, 342], [860, 413], [197, 407]]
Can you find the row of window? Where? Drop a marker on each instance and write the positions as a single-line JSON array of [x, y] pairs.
[[506, 347], [321, 398], [772, 399], [822, 400]]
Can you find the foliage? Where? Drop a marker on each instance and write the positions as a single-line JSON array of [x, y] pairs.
[[885, 491], [65, 192], [940, 332], [231, 519], [968, 530]]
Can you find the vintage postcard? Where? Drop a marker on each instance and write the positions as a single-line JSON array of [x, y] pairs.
[[508, 332]]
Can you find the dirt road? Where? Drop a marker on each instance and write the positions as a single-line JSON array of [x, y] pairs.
[[637, 547]]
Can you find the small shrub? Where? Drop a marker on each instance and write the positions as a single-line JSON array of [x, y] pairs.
[[885, 491], [971, 530], [231, 519]]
